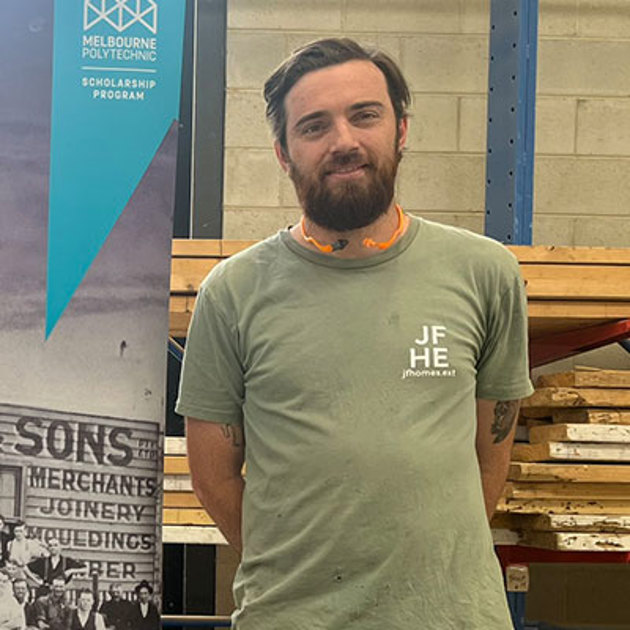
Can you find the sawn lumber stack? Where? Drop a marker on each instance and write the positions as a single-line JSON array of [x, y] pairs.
[[569, 486]]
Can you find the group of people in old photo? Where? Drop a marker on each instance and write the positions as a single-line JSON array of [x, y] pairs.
[[36, 591]]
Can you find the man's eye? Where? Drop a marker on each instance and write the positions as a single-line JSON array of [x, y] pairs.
[[366, 116], [312, 129]]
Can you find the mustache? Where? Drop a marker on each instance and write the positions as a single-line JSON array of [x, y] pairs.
[[345, 160]]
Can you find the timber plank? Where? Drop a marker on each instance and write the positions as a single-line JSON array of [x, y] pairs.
[[582, 255], [231, 247], [193, 534], [185, 516], [188, 273], [177, 483], [572, 541], [181, 500], [591, 416], [576, 281], [600, 433], [175, 446], [550, 397], [575, 522], [586, 378], [176, 465], [551, 490], [573, 473], [196, 247], [564, 506], [571, 451]]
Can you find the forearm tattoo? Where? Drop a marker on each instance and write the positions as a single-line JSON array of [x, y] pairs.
[[232, 433], [505, 412]]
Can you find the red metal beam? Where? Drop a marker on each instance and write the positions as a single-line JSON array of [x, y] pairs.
[[514, 554], [554, 347]]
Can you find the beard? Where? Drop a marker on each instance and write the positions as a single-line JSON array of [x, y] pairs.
[[347, 205]]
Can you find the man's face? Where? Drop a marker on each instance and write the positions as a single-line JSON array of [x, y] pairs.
[[54, 547], [343, 144], [5, 585], [58, 588], [86, 600], [143, 594], [115, 591], [20, 591], [12, 569]]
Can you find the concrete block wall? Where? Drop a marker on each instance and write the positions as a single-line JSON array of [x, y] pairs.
[[582, 188]]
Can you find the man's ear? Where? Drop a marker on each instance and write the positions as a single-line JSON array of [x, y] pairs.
[[403, 128], [282, 156]]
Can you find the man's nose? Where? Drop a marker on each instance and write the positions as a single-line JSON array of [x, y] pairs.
[[343, 137]]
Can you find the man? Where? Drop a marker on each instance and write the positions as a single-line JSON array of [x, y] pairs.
[[21, 550], [46, 569], [11, 613], [369, 364], [83, 617], [116, 610], [21, 594], [144, 613], [52, 611]]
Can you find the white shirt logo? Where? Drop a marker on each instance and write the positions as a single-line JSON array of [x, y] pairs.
[[429, 354]]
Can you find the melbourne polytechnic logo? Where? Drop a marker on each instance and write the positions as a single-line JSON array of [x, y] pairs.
[[120, 14]]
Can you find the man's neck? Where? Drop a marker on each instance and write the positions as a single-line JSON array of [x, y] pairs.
[[381, 231]]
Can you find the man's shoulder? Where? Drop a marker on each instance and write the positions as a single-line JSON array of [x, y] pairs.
[[243, 271], [469, 242], [467, 250]]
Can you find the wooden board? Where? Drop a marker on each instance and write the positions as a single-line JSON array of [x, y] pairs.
[[576, 281], [571, 541], [177, 483], [586, 378], [183, 516], [175, 446], [561, 506], [190, 247], [193, 534], [574, 522], [596, 433], [551, 254], [176, 465], [591, 416], [181, 499], [551, 490], [550, 397], [571, 451], [188, 273], [573, 473]]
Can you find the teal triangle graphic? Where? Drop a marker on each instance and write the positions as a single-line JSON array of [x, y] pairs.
[[108, 121]]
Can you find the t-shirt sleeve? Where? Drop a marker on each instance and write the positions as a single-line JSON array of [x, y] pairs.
[[211, 384], [503, 365]]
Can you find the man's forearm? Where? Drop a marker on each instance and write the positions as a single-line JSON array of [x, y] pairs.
[[495, 434], [224, 504], [493, 482]]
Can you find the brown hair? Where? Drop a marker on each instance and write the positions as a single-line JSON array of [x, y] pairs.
[[321, 54]]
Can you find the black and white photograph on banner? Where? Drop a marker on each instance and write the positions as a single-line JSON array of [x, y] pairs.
[[82, 394]]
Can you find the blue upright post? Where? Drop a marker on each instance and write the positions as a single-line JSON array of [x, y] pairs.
[[511, 120]]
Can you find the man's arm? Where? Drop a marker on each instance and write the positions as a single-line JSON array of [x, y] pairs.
[[215, 454], [496, 425]]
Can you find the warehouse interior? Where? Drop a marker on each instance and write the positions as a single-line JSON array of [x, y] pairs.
[[581, 195], [519, 130]]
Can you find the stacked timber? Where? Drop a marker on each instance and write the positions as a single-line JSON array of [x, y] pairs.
[[569, 486]]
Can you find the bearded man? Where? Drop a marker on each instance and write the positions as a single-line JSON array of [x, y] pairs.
[[368, 366]]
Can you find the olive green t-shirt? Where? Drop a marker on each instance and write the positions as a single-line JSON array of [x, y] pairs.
[[355, 382]]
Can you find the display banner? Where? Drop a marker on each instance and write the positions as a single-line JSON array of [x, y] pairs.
[[88, 141]]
